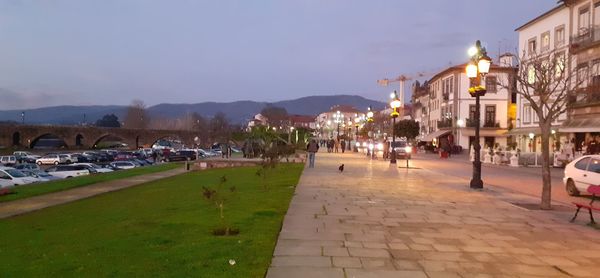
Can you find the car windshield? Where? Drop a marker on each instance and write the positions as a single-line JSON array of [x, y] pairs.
[[15, 173], [63, 155], [399, 144]]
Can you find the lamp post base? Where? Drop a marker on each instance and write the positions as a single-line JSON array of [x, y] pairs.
[[393, 158], [476, 184]]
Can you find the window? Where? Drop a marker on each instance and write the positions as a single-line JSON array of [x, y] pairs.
[[582, 75], [531, 74], [545, 41], [559, 36], [594, 166], [584, 21], [491, 83], [560, 64], [595, 73], [526, 113], [490, 115], [448, 86], [472, 112], [532, 46], [582, 164]]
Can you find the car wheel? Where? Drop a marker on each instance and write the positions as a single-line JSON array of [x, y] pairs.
[[55, 162], [188, 159], [39, 163], [571, 188]]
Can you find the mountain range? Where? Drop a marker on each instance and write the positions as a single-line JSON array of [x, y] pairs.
[[237, 111]]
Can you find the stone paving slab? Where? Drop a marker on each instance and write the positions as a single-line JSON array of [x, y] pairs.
[[12, 208], [374, 220]]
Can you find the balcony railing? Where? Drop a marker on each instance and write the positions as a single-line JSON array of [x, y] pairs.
[[489, 124], [585, 38], [585, 96], [444, 123]]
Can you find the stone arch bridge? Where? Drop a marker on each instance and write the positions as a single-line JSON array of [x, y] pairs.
[[85, 137]]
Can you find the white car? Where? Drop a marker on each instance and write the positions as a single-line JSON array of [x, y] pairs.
[[70, 158], [51, 159], [15, 177], [581, 173], [40, 175], [122, 165], [95, 167], [26, 154], [68, 171], [8, 160]]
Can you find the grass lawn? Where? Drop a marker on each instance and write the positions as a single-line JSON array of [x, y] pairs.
[[162, 228], [26, 191]]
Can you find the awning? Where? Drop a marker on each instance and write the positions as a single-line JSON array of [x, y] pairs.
[[429, 137], [485, 132], [581, 125]]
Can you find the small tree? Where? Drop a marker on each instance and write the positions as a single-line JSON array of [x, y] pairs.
[[136, 116], [544, 82], [407, 128], [219, 196], [276, 116], [219, 127]]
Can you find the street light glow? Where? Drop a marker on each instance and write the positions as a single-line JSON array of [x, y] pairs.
[[460, 123], [472, 51]]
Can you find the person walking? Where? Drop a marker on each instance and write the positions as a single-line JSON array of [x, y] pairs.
[[336, 145], [343, 145], [312, 148]]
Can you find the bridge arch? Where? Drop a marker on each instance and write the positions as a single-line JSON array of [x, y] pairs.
[[79, 140], [48, 140], [107, 136], [16, 139]]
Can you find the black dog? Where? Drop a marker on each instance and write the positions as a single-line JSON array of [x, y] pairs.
[[341, 168]]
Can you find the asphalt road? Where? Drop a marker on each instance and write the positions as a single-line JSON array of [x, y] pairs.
[[526, 180]]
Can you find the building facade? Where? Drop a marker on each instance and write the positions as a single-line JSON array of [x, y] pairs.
[[446, 111], [572, 29]]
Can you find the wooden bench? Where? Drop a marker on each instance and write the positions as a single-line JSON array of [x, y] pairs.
[[594, 190]]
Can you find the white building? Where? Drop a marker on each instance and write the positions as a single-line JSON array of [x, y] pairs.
[[572, 28], [330, 125], [446, 110], [546, 33]]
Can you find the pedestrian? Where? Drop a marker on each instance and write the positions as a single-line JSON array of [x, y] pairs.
[[336, 145], [343, 145], [312, 148]]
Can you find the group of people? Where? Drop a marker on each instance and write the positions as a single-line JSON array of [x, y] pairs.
[[334, 145], [591, 147]]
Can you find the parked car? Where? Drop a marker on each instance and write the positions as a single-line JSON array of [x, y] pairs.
[[27, 166], [96, 168], [122, 165], [17, 177], [181, 156], [581, 173], [51, 159], [68, 171], [8, 160], [25, 155], [40, 175], [402, 148]]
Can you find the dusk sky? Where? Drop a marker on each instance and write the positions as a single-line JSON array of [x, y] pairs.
[[176, 51]]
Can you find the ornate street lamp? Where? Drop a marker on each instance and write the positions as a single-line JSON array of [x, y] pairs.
[[356, 124], [395, 104], [338, 119], [476, 71]]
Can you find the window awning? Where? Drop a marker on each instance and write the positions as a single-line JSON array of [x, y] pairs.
[[525, 131], [581, 125], [429, 137]]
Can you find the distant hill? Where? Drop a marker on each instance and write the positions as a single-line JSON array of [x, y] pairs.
[[238, 111]]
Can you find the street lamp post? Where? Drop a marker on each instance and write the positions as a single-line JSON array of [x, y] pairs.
[[476, 71], [395, 104], [356, 124], [337, 116], [23, 117]]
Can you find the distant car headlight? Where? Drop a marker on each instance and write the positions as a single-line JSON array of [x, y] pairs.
[[408, 149], [365, 144], [358, 144], [380, 146], [371, 146]]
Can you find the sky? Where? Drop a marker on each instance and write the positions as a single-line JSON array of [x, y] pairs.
[[90, 52]]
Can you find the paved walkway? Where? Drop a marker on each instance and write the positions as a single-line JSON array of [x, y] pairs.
[[12, 208], [374, 220]]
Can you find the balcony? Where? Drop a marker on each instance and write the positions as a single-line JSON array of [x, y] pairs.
[[587, 37], [587, 96], [486, 124], [444, 124]]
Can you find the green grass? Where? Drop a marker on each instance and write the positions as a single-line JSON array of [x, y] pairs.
[[26, 191], [162, 228]]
